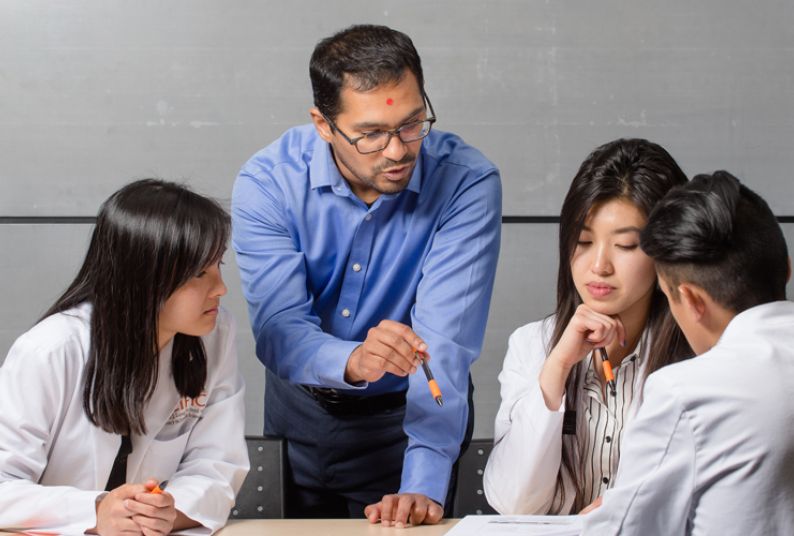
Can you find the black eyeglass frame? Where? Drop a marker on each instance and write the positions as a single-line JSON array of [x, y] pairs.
[[396, 132]]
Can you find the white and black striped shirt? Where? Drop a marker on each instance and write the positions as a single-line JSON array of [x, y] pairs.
[[525, 466], [600, 423]]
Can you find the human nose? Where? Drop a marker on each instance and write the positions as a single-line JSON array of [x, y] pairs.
[[602, 263], [395, 150], [219, 287]]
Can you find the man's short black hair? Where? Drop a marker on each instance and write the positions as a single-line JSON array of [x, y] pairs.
[[363, 57], [718, 234]]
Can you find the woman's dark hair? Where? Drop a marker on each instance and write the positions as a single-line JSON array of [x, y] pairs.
[[720, 235], [640, 172], [150, 238], [364, 57]]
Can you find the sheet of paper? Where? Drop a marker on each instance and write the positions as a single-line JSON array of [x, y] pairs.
[[517, 526]]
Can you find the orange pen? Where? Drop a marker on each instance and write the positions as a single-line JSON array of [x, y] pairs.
[[431, 381], [158, 489], [608, 374]]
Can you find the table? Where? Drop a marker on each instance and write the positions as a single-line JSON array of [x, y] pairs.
[[327, 527]]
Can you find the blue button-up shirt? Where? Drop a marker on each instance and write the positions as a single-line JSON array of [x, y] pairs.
[[319, 268]]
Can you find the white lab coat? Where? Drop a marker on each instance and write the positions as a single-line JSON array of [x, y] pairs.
[[711, 450], [521, 473], [54, 462]]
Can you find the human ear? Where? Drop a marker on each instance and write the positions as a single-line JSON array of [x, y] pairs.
[[320, 124], [693, 300]]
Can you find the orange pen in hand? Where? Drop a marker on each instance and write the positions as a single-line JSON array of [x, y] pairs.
[[431, 381], [158, 489], [608, 374]]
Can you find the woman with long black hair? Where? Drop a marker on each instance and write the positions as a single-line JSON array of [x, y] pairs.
[[559, 427], [129, 380]]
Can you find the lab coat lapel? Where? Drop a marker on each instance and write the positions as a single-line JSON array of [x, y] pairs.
[[159, 408], [105, 447]]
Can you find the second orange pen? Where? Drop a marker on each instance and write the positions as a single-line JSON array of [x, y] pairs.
[[608, 374]]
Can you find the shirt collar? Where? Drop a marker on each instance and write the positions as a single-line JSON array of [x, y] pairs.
[[415, 184], [749, 320], [637, 355], [324, 172]]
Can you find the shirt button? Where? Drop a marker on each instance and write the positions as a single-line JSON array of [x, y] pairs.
[[605, 480], [368, 217], [608, 439], [346, 312], [356, 267]]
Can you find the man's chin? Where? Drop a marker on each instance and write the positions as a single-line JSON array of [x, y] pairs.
[[386, 186]]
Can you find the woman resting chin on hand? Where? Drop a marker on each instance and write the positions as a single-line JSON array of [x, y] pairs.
[[558, 429]]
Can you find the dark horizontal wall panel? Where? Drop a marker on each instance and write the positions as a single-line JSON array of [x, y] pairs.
[[48, 220]]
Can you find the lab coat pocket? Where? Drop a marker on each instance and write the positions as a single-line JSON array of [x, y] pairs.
[[163, 456]]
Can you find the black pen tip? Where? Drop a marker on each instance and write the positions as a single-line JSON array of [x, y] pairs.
[[440, 402]]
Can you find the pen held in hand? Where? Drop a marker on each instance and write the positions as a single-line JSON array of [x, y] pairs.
[[608, 374], [431, 381]]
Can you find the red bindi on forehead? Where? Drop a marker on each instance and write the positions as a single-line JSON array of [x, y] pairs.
[[390, 101]]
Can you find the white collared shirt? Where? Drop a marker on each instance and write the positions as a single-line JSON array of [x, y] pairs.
[[711, 450]]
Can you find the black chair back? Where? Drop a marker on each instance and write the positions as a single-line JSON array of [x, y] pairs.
[[469, 494], [262, 494]]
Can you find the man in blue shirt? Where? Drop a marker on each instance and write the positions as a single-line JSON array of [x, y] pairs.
[[366, 241]]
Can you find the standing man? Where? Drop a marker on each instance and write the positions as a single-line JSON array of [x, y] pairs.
[[362, 239]]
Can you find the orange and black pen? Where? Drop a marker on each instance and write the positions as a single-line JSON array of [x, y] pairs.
[[608, 374], [158, 489], [431, 381]]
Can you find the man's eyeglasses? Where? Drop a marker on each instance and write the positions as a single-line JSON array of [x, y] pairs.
[[372, 142]]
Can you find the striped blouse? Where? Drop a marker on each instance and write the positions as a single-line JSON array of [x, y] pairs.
[[523, 470], [600, 420]]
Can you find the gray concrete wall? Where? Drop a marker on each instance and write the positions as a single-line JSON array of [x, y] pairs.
[[94, 94]]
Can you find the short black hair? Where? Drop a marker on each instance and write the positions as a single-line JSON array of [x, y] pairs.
[[363, 56], [718, 234]]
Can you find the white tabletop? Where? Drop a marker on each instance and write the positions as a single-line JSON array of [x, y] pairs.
[[327, 527]]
